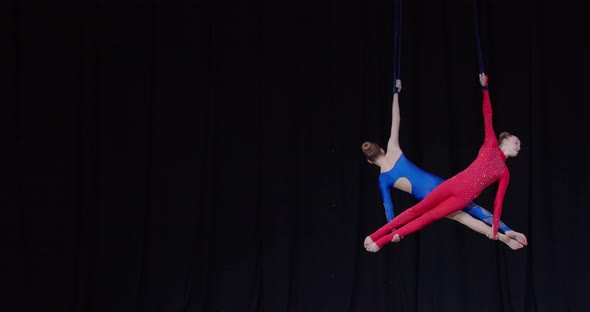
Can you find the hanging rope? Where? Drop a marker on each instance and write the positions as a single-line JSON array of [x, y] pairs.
[[476, 24], [397, 38]]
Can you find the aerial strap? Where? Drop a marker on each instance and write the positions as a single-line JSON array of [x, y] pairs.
[[397, 39], [477, 41]]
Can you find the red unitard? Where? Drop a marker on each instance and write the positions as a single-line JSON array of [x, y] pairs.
[[458, 191]]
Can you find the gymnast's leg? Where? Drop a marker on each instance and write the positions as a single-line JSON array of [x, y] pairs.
[[484, 215], [480, 227], [438, 195], [445, 208]]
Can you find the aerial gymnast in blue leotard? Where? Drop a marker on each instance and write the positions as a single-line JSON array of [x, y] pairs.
[[399, 172]]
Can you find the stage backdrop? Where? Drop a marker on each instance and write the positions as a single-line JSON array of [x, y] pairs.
[[205, 155]]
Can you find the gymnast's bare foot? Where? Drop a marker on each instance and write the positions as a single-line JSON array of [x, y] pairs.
[[373, 247], [396, 238], [513, 244], [519, 237], [368, 241]]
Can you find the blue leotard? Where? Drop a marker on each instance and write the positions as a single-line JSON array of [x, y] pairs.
[[423, 183]]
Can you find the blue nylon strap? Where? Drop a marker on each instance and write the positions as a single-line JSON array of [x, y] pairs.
[[397, 46], [476, 24]]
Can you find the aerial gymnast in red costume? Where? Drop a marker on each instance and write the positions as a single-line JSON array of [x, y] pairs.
[[458, 191]]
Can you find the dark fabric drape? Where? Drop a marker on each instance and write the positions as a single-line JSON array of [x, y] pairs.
[[205, 156]]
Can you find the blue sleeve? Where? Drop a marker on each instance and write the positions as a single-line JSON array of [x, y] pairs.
[[387, 203], [484, 215]]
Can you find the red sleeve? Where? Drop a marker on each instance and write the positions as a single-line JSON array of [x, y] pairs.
[[502, 186], [490, 136]]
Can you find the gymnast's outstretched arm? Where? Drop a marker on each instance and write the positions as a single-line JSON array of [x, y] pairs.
[[393, 143]]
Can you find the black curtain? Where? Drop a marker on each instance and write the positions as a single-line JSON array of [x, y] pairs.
[[187, 155]]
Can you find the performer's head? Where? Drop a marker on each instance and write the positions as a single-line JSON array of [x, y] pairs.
[[509, 144], [372, 151]]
